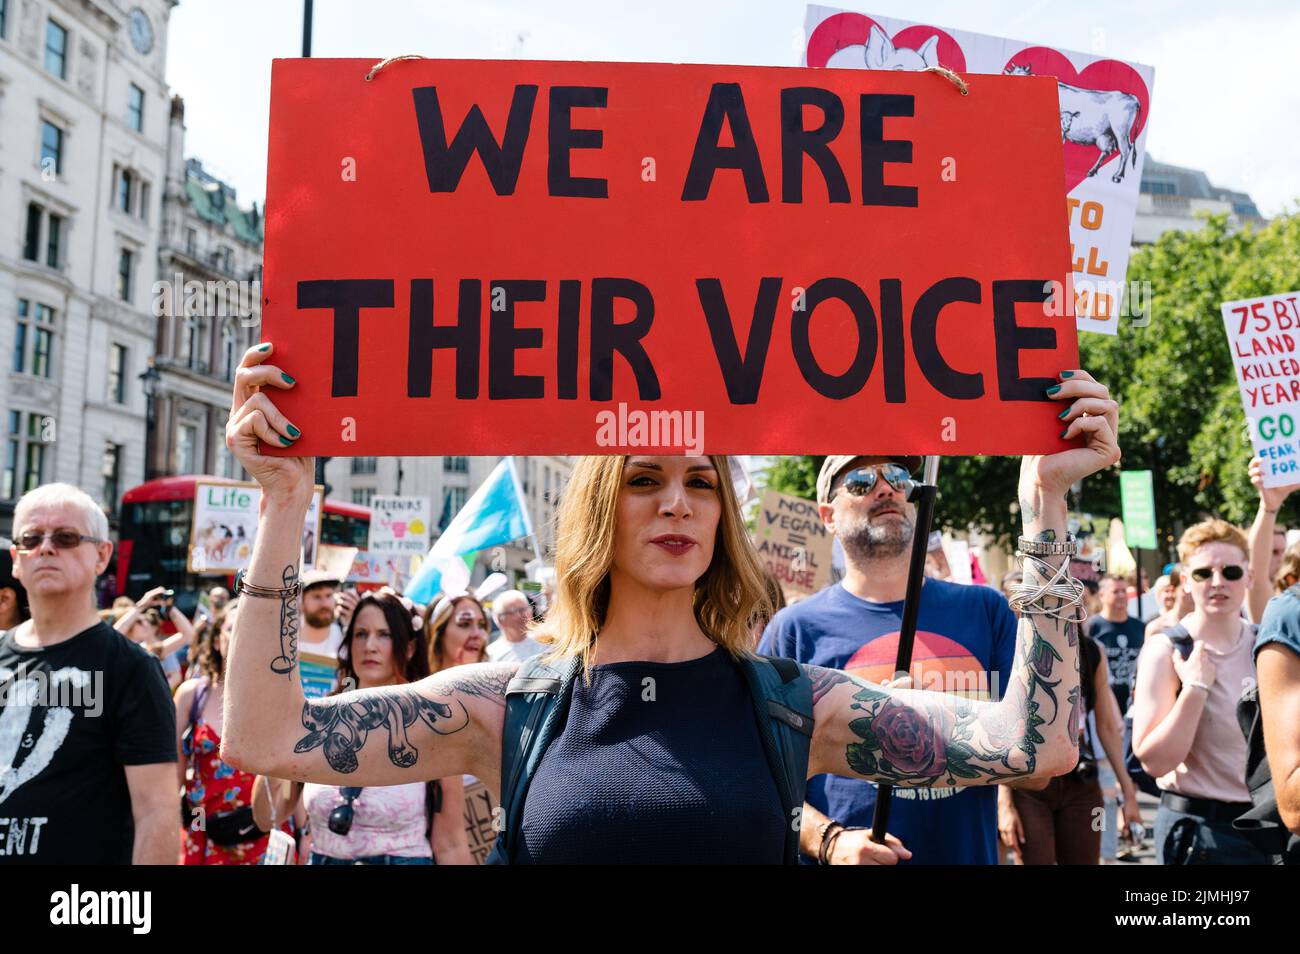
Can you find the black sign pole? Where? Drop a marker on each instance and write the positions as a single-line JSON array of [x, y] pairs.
[[923, 495]]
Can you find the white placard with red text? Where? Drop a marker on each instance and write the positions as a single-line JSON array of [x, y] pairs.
[[1105, 105], [1264, 337]]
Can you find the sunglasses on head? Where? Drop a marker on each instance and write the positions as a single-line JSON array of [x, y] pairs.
[[62, 539], [1232, 572], [861, 480]]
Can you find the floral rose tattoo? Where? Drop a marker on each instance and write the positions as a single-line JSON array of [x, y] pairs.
[[910, 740]]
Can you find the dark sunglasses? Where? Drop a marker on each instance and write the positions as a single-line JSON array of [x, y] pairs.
[[861, 480], [62, 539], [340, 820], [1232, 573]]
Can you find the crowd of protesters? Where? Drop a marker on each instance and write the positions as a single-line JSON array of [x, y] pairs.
[[1160, 701]]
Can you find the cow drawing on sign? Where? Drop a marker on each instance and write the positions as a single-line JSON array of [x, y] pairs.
[[881, 54], [1093, 117]]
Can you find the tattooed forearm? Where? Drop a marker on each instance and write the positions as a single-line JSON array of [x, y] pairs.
[[284, 663], [485, 682], [824, 680], [342, 725]]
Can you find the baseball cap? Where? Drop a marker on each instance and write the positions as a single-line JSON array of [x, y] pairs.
[[833, 466], [316, 577]]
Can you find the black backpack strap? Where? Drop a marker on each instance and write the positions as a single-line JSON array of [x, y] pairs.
[[783, 707], [536, 701]]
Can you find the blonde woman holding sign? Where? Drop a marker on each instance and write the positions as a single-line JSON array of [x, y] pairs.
[[655, 754]]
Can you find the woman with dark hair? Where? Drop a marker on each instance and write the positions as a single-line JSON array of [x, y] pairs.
[[657, 582], [217, 794], [385, 645]]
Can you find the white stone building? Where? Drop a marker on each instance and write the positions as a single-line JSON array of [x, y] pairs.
[[449, 482], [1172, 198], [83, 143], [209, 272]]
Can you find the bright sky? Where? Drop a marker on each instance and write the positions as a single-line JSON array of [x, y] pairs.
[[1225, 95]]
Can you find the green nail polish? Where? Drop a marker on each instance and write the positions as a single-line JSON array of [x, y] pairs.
[[265, 347], [1052, 390], [1067, 374], [1063, 413], [286, 441], [289, 380], [293, 431], [1064, 432]]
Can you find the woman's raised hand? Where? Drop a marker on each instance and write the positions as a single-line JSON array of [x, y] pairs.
[[254, 417]]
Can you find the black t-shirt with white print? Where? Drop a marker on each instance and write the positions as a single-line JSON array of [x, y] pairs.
[[72, 716]]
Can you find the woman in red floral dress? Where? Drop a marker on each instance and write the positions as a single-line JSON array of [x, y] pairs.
[[212, 785]]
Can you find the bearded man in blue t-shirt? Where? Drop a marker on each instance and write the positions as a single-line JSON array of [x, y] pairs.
[[965, 637]]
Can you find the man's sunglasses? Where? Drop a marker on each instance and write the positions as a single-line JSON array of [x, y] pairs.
[[62, 539], [1232, 573], [861, 480]]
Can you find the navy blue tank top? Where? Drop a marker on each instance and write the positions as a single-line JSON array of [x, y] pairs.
[[658, 763]]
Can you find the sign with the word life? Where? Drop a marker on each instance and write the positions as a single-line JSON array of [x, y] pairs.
[[793, 543], [1105, 105], [1263, 334], [225, 525], [514, 257], [399, 525]]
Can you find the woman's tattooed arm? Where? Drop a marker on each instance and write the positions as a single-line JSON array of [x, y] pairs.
[[918, 738], [410, 720]]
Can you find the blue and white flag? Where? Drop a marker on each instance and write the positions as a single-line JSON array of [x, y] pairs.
[[494, 515]]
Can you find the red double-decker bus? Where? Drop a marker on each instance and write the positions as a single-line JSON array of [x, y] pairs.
[[154, 539]]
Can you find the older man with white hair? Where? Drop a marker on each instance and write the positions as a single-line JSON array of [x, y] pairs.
[[87, 726], [513, 613]]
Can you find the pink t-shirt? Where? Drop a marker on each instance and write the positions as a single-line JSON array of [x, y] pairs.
[[1215, 766], [386, 820]]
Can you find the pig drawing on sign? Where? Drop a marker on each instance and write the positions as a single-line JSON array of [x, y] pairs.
[[881, 54], [1094, 117]]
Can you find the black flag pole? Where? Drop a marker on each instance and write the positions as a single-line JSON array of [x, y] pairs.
[[923, 495]]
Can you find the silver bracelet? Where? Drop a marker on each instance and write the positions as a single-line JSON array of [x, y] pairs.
[[1029, 598], [1067, 547], [1197, 685]]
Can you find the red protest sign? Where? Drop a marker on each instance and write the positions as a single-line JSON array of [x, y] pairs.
[[477, 257]]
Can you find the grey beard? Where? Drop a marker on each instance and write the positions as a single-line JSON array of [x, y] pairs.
[[864, 540]]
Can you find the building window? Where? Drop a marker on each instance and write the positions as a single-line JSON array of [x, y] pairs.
[[125, 262], [191, 243], [35, 326], [117, 374], [363, 495], [124, 188], [32, 242], [111, 472], [4, 16], [453, 499], [53, 240], [229, 350], [227, 463], [56, 49], [135, 108], [144, 202], [365, 465], [187, 441], [455, 465], [51, 147], [20, 335], [24, 454]]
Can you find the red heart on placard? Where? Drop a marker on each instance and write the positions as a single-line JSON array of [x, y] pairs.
[[1104, 118], [853, 29]]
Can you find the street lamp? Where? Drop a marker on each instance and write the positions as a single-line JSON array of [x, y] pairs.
[[149, 381]]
